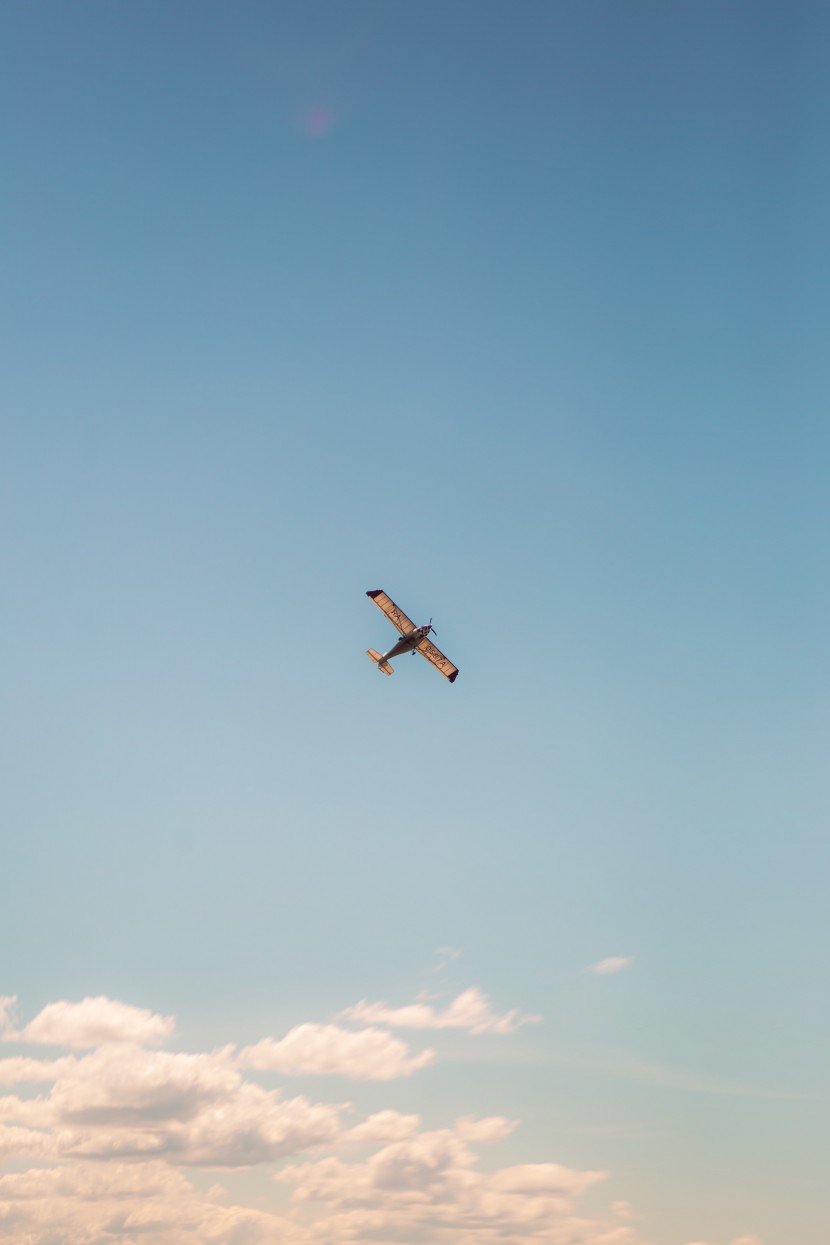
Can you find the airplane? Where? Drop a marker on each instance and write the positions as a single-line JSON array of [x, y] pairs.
[[413, 639]]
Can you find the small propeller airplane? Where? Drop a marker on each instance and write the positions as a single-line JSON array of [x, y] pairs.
[[413, 639]]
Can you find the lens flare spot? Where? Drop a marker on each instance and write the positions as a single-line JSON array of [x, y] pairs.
[[318, 121]]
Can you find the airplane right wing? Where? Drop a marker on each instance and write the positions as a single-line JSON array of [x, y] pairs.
[[437, 659], [397, 617]]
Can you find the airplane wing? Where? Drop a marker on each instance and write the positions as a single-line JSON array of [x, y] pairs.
[[397, 617], [437, 659]]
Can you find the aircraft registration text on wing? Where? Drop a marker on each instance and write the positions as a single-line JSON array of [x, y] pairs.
[[413, 639]]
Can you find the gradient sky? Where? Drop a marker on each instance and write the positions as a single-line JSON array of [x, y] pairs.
[[520, 313]]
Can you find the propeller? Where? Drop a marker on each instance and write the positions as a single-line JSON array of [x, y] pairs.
[[431, 628]]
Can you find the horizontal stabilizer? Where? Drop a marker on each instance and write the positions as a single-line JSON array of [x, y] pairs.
[[377, 658]]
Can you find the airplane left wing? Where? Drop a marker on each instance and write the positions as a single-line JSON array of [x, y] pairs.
[[397, 617], [437, 659]]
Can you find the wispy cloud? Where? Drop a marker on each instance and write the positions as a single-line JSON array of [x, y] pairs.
[[470, 1010], [7, 1012], [445, 956], [613, 964], [738, 1240], [631, 1067], [623, 1210]]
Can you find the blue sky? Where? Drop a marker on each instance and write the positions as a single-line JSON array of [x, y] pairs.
[[518, 313]]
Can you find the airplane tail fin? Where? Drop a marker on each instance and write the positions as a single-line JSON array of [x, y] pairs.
[[377, 658]]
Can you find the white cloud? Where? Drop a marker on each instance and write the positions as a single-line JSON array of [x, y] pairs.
[[23, 1068], [110, 1129], [33, 1111], [25, 1143], [544, 1180], [613, 964], [490, 1128], [384, 1126], [402, 1171], [257, 1126], [471, 1010], [126, 1085], [421, 1187], [94, 1021], [370, 1055], [427, 1189], [82, 1203], [124, 1101]]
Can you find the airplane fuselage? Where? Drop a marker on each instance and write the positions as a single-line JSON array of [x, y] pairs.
[[407, 643]]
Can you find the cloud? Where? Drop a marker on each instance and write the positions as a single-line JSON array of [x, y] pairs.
[[402, 1171], [23, 1068], [34, 1111], [18, 1143], [129, 1102], [371, 1055], [7, 1009], [92, 1022], [427, 1189], [738, 1240], [623, 1210], [110, 1131], [445, 956], [385, 1126], [130, 1085], [620, 1063], [544, 1180], [491, 1128], [613, 964], [148, 1202], [471, 1010]]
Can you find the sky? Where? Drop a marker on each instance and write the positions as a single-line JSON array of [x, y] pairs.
[[519, 313]]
